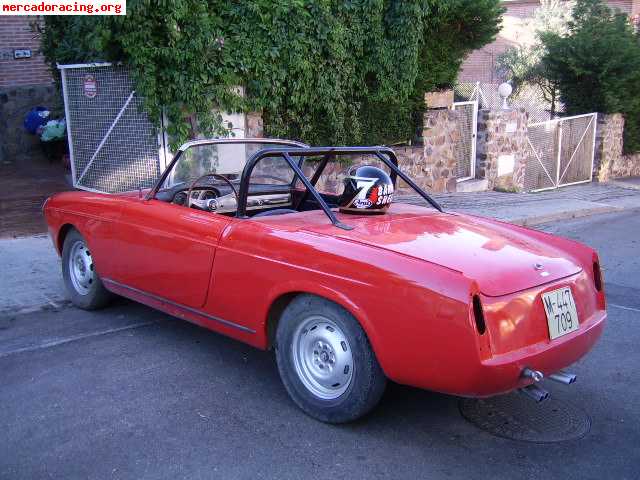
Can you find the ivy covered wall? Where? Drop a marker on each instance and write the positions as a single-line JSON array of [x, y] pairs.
[[325, 72]]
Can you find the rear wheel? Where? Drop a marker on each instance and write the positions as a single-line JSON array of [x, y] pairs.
[[80, 277], [326, 362]]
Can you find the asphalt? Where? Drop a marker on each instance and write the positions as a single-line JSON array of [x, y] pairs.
[[128, 392]]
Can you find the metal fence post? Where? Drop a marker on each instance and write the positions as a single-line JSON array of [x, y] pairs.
[[560, 124], [67, 118]]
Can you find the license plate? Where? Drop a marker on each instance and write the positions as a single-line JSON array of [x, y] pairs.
[[562, 315]]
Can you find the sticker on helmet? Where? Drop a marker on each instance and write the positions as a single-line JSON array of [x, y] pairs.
[[360, 203], [370, 194], [381, 195], [364, 186]]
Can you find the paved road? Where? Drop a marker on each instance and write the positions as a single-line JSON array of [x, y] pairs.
[[131, 393]]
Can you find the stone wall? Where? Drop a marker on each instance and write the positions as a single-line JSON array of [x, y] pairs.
[[17, 144], [436, 170], [502, 148], [610, 160], [432, 165], [410, 160]]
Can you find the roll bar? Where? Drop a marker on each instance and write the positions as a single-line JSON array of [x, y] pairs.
[[384, 154]]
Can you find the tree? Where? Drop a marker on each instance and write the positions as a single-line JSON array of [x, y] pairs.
[[321, 71], [597, 65], [522, 64]]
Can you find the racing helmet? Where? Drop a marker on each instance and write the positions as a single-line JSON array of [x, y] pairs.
[[367, 190]]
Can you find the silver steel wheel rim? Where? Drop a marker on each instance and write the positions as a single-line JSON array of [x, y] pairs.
[[81, 268], [322, 357]]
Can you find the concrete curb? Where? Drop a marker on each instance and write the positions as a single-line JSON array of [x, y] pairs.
[[530, 221], [621, 184]]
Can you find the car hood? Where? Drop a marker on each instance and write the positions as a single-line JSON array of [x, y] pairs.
[[501, 258]]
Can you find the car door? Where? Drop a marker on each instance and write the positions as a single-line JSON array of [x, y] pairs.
[[167, 250]]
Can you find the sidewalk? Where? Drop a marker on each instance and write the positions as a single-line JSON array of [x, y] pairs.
[[548, 206], [31, 277]]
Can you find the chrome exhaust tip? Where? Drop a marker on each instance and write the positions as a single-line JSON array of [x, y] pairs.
[[563, 377], [535, 393], [535, 375]]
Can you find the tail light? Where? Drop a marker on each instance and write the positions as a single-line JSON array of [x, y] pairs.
[[597, 276], [478, 315]]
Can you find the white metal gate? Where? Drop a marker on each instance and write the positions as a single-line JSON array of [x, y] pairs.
[[560, 152], [467, 132], [113, 145]]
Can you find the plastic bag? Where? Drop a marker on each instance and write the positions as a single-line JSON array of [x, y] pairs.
[[37, 116], [53, 130]]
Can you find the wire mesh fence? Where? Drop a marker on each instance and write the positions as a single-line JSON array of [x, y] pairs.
[[541, 170], [561, 152], [114, 145], [465, 150], [576, 158]]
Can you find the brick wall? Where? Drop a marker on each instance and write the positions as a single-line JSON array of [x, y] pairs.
[[16, 33], [479, 66]]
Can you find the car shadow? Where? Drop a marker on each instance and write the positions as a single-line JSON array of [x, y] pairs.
[[255, 372]]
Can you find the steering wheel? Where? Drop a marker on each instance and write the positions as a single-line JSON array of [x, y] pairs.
[[214, 175]]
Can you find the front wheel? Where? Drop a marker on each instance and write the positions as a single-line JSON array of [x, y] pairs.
[[326, 362], [80, 277]]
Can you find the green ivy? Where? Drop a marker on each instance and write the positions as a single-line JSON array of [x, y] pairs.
[[325, 72]]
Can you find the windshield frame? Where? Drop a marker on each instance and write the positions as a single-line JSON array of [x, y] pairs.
[[216, 141]]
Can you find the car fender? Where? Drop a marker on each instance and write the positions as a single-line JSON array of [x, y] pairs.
[[323, 291], [92, 215]]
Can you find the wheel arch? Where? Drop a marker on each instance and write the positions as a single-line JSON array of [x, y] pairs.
[[277, 307], [283, 298], [62, 234]]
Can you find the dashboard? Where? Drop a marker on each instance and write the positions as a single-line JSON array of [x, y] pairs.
[[215, 200], [180, 198]]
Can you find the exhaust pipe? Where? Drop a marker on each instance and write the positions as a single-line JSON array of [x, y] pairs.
[[534, 375], [563, 377], [535, 393]]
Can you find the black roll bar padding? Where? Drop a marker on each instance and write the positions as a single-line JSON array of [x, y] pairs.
[[385, 154], [314, 178], [284, 153], [316, 194]]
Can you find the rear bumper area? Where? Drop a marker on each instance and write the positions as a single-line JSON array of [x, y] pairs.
[[502, 373]]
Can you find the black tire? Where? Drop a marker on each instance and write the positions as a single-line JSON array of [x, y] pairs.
[[93, 295], [367, 382]]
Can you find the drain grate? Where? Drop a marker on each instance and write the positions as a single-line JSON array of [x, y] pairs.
[[516, 417]]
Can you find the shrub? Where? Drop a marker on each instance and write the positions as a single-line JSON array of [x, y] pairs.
[[597, 65], [321, 71]]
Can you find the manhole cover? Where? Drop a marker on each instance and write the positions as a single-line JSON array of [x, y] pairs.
[[516, 417]]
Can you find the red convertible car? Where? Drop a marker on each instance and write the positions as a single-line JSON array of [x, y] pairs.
[[301, 250]]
